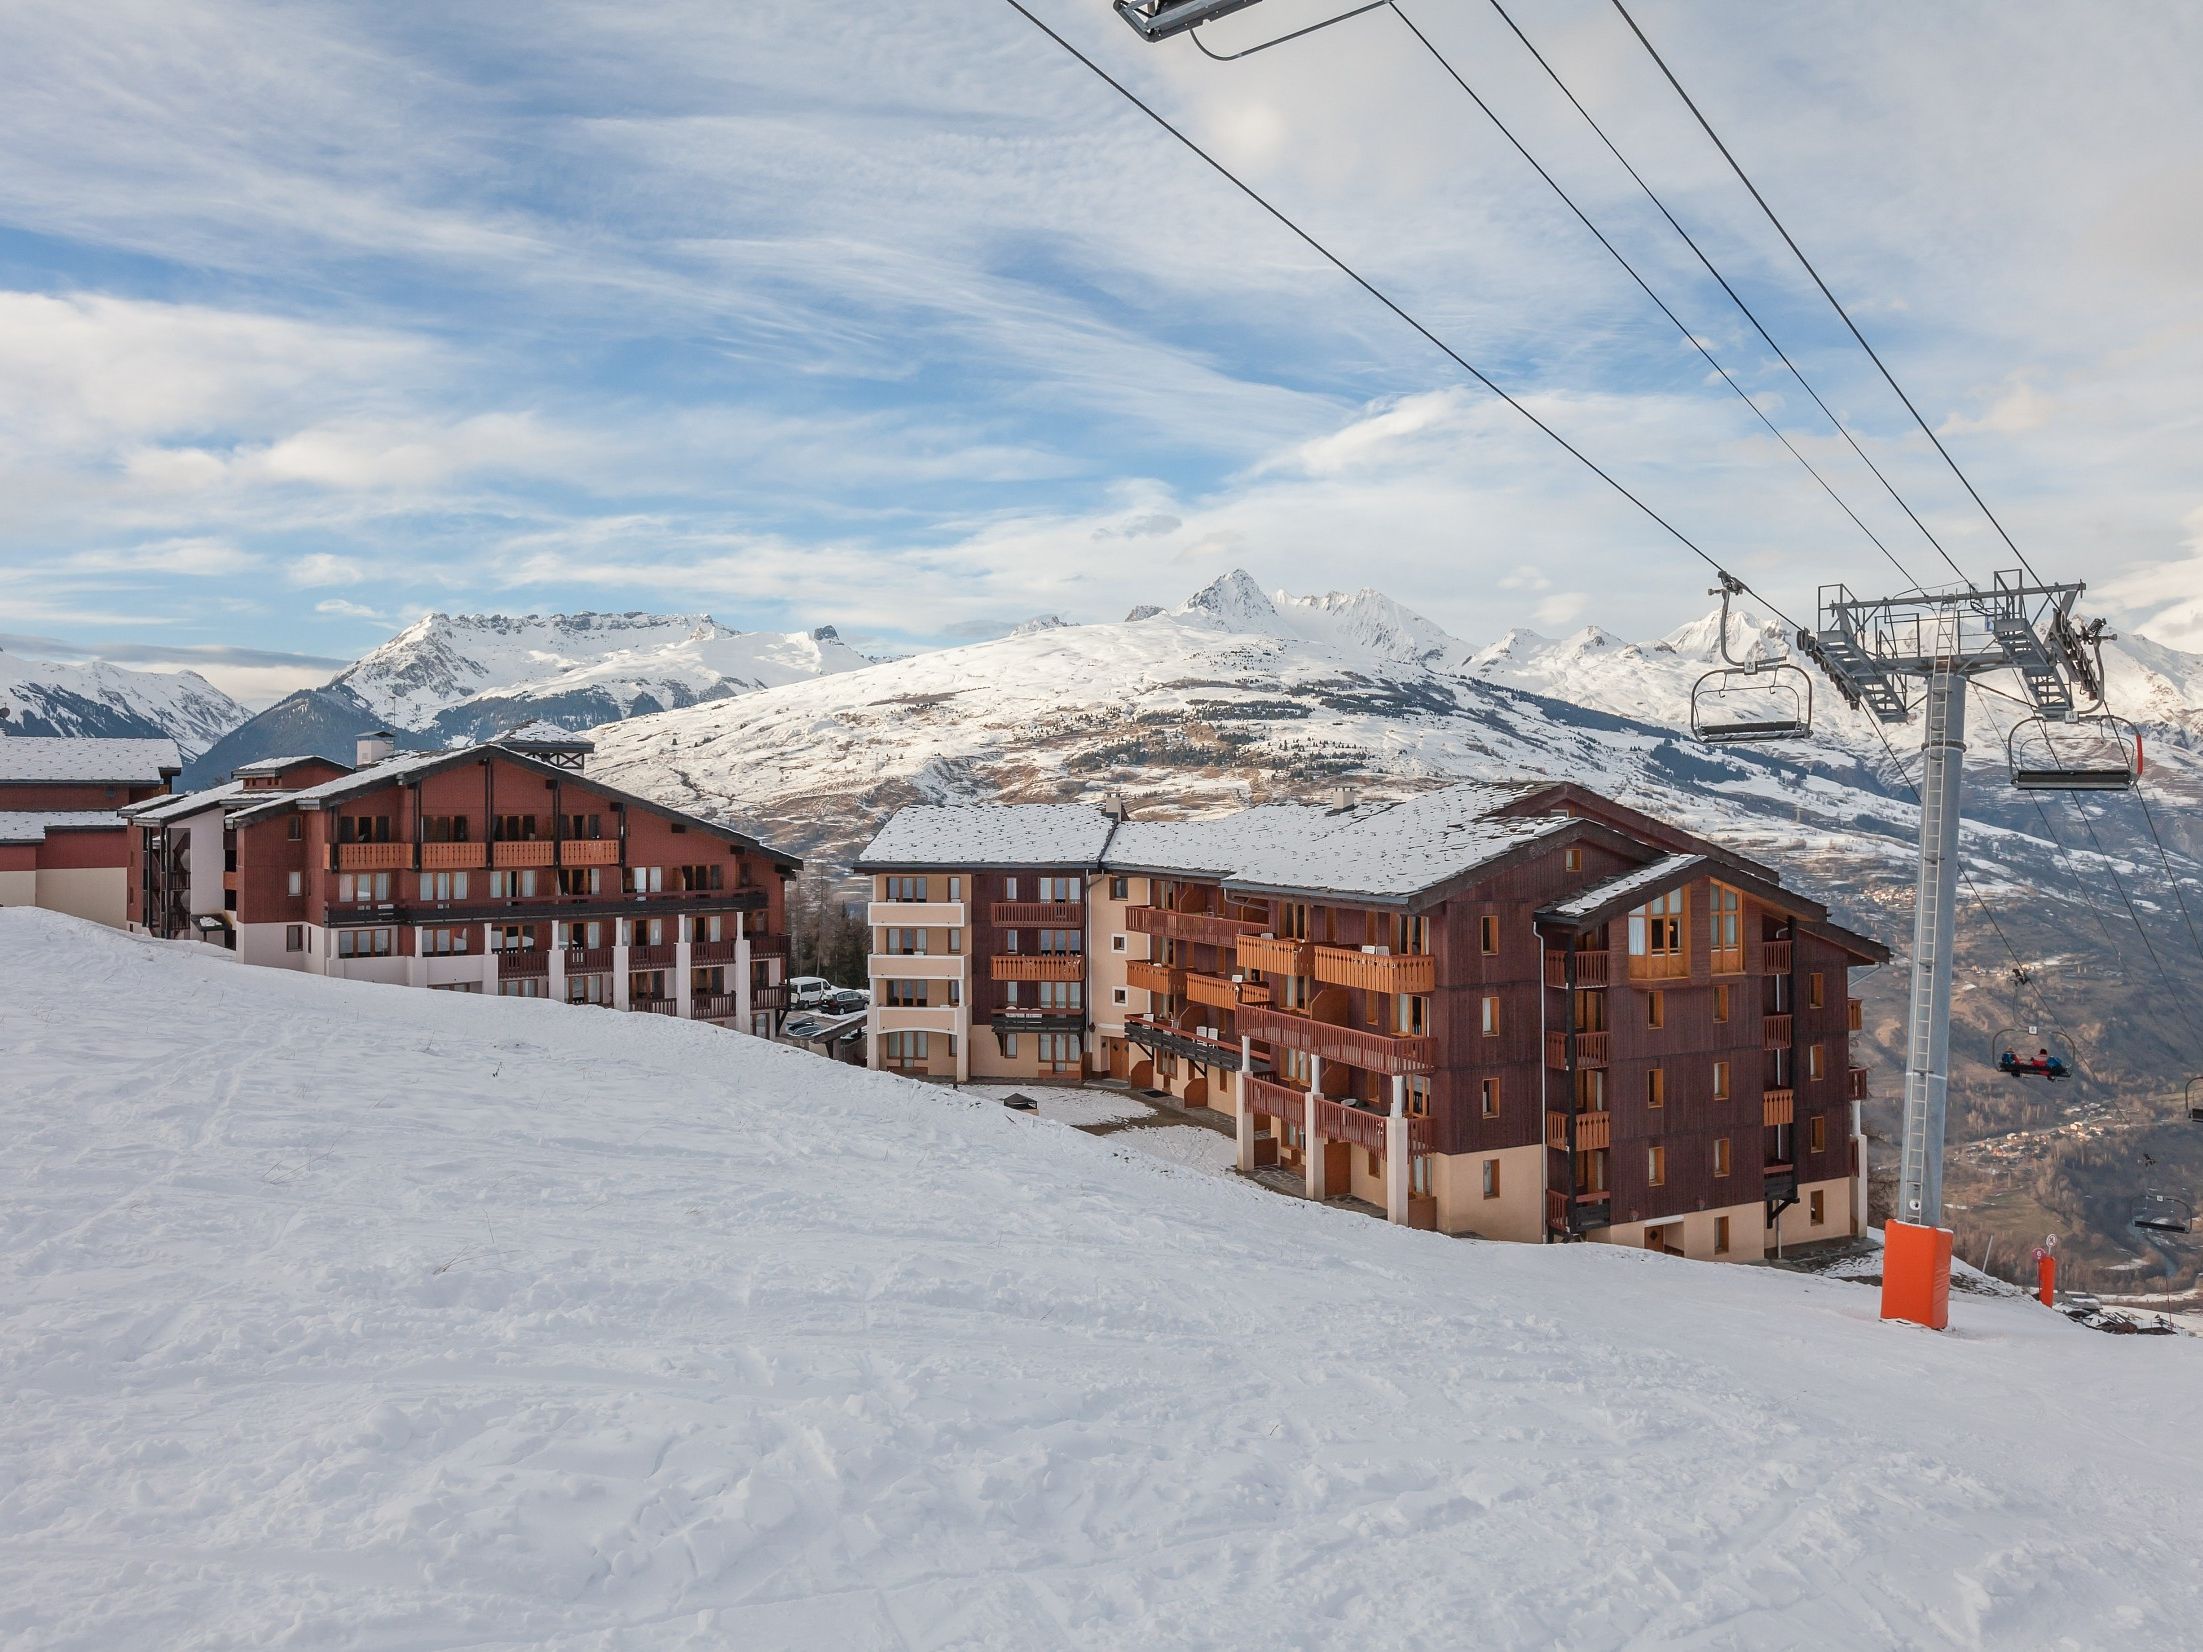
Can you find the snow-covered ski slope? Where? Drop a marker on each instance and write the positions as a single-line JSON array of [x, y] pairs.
[[341, 1315]]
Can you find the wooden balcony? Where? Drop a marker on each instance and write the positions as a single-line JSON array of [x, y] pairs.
[[1038, 915], [711, 952], [589, 851], [371, 857], [1652, 968], [1593, 969], [1220, 992], [1192, 1046], [1275, 1101], [522, 852], [1163, 978], [1593, 1131], [1037, 966], [1776, 1031], [1778, 1107], [714, 1006], [655, 1006], [1340, 1121], [1854, 1015], [651, 957], [1774, 957], [1855, 1084], [1203, 928], [1388, 972], [1591, 1049], [453, 857], [1273, 956], [1372, 1052], [588, 959], [514, 962], [915, 914]]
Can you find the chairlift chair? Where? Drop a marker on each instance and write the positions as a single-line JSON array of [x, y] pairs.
[[2023, 1052], [1739, 705], [2100, 753], [1160, 19], [2165, 1213]]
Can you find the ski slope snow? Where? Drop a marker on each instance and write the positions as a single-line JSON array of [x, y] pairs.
[[346, 1315]]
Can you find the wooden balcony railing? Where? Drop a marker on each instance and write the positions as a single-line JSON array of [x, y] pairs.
[[714, 1006], [1373, 1052], [1273, 956], [1038, 915], [1556, 1129], [1148, 977], [1594, 1131], [1376, 971], [1218, 992], [453, 857], [661, 956], [1275, 1101], [1776, 1031], [1855, 1084], [1339, 1121], [1854, 1015], [1037, 966], [1778, 1107], [1774, 957], [1592, 1049], [768, 946], [586, 959], [1593, 969], [523, 961], [371, 857], [655, 1006], [1659, 966], [1202, 927], [589, 851], [769, 998], [711, 952], [522, 852]]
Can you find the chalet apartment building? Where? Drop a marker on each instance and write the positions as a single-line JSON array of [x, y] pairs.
[[1521, 1011], [498, 868], [63, 842]]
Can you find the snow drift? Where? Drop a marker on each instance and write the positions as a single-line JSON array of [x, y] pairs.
[[350, 1315]]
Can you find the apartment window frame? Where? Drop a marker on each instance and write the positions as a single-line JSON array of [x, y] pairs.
[[1721, 1236], [1721, 1003], [1723, 1157], [1816, 1208], [1656, 1009], [1656, 1088], [1488, 1015], [1488, 1178], [1487, 934], [1487, 1096], [1656, 1165], [1816, 1133], [1721, 1081]]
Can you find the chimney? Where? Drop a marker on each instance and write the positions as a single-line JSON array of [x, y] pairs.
[[370, 749], [1116, 808]]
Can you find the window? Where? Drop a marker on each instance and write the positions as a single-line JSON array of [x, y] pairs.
[[1725, 924], [295, 885], [1414, 1015], [956, 940], [578, 880], [1060, 995], [903, 1049], [587, 933], [1721, 1236], [294, 937], [437, 943], [711, 875], [1721, 1002], [1656, 1009], [520, 885], [512, 938], [1813, 990], [904, 994], [444, 829], [1491, 1178], [1120, 889], [1415, 1092], [1411, 937], [1116, 943], [584, 826], [1721, 1156], [1656, 1087], [1656, 1167], [1572, 859], [443, 886], [1656, 938], [1369, 1163], [1418, 1175], [903, 943], [363, 828], [516, 828], [956, 884], [527, 986], [1487, 935], [295, 828], [1059, 890], [455, 986], [589, 987], [1062, 940], [1118, 995], [1721, 1081], [1487, 1097], [1816, 1061], [645, 880], [1059, 1052], [1816, 1208], [645, 986], [1009, 889], [1590, 1089], [1491, 1015], [1009, 1046], [1816, 1134], [363, 888], [366, 943]]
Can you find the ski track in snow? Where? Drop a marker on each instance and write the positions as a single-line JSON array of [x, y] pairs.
[[349, 1316]]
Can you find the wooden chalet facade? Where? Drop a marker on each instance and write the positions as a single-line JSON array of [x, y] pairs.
[[1527, 1012]]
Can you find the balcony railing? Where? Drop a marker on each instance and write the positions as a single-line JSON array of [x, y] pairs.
[[768, 946], [661, 956], [715, 1006], [1038, 915], [1659, 966], [1276, 1101], [1022, 1019], [655, 1006], [1778, 1107], [1220, 993], [589, 851], [711, 952], [523, 961], [1775, 1031], [371, 857], [1593, 969], [916, 915], [453, 857], [1192, 1046], [1373, 1052], [1774, 957], [1854, 1015], [1273, 956], [522, 852], [1376, 971], [587, 959], [1037, 966], [1591, 1049], [1340, 1121], [1593, 1131], [1855, 1084], [1149, 977], [1201, 927]]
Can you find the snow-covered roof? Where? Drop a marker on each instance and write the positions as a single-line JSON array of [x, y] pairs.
[[360, 780], [32, 825], [27, 759], [276, 765], [1216, 845], [990, 834], [1390, 851], [156, 810], [1647, 879]]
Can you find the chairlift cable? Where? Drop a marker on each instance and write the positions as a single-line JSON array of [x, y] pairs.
[[2125, 899], [2164, 860], [1737, 299], [1742, 177], [2050, 830], [1370, 287]]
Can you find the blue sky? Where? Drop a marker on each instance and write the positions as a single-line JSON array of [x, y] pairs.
[[313, 319]]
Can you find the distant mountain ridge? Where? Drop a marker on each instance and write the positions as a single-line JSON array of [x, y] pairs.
[[108, 701], [453, 678]]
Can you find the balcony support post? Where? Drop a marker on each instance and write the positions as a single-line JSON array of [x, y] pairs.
[[684, 980], [1398, 1157], [622, 932], [742, 997], [1245, 1122], [1312, 1145], [555, 980]]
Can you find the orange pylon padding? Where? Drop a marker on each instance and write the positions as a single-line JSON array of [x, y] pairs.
[[1916, 1274]]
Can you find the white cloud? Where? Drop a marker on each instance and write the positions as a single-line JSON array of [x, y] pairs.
[[321, 568]]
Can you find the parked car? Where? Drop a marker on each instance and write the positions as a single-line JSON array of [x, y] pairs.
[[807, 992], [847, 1000]]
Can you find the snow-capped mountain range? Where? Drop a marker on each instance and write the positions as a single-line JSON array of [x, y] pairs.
[[108, 701], [449, 678]]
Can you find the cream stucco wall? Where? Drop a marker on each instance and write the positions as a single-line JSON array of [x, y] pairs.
[[100, 893], [19, 888], [1518, 1213]]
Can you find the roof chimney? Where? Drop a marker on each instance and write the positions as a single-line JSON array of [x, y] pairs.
[[1116, 808], [370, 749]]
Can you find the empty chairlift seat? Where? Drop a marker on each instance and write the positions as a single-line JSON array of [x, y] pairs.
[[1735, 705], [2089, 754]]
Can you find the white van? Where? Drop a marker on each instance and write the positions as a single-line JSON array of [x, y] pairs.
[[808, 991]]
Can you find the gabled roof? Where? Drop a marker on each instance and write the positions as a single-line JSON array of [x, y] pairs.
[[155, 811], [1391, 852], [1216, 846], [35, 759], [1628, 890], [32, 825], [923, 836], [276, 765]]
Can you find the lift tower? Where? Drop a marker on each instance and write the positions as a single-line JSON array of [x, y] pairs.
[[1872, 649]]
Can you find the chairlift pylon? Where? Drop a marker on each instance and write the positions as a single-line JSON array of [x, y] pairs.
[[2092, 753], [2028, 1052], [1749, 701]]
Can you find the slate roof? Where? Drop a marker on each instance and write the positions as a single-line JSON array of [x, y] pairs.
[[42, 760], [989, 834], [155, 810], [32, 825], [1647, 879]]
